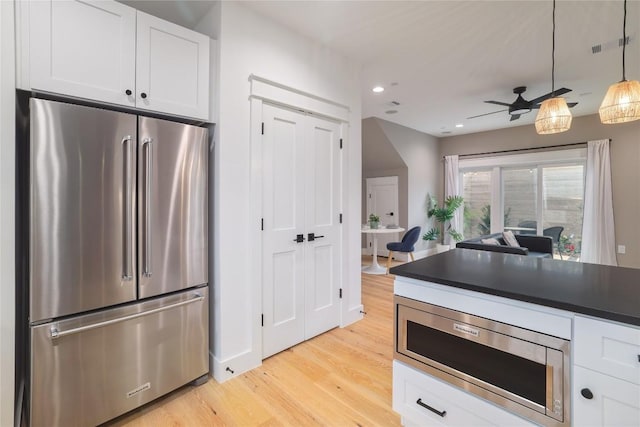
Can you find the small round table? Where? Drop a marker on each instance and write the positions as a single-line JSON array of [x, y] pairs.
[[375, 268]]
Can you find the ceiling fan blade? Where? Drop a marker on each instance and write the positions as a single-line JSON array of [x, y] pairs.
[[498, 103], [557, 92], [486, 114], [569, 104], [514, 117]]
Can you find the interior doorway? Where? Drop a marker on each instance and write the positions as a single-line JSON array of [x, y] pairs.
[[382, 200]]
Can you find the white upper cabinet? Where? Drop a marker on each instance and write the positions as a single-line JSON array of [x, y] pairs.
[[172, 68], [84, 49], [108, 52]]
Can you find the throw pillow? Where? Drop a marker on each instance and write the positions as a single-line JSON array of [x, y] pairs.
[[490, 241], [510, 239]]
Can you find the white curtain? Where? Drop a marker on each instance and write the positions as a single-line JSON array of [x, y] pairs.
[[452, 188], [598, 231]]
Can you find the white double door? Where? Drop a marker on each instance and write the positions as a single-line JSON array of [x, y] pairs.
[[301, 254]]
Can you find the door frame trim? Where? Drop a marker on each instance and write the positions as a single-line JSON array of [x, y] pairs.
[[282, 96]]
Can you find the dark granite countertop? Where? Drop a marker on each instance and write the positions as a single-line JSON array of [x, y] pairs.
[[611, 293]]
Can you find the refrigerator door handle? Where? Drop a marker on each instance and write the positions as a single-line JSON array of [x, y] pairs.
[[127, 274], [55, 333], [148, 144]]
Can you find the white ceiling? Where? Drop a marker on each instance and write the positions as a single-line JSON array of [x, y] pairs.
[[447, 57]]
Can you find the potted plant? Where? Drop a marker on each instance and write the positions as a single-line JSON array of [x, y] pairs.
[[443, 215], [374, 220]]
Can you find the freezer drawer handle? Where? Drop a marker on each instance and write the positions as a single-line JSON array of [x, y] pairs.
[[55, 333]]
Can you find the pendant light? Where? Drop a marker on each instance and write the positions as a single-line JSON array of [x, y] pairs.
[[622, 101], [554, 115]]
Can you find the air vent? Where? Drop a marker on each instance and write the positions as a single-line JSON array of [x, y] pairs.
[[446, 132], [391, 111], [613, 44]]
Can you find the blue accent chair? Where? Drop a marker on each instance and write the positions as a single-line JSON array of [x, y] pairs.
[[406, 245]]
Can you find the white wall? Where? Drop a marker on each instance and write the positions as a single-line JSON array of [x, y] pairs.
[[420, 152], [7, 195], [251, 44]]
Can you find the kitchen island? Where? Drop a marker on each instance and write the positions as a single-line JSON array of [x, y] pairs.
[[596, 309]]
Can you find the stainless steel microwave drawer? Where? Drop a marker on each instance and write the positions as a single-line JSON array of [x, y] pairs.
[[89, 369]]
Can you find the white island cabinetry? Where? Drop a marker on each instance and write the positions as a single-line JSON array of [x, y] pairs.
[[108, 52], [423, 400], [606, 375]]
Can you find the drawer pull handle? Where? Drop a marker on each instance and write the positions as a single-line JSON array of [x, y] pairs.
[[586, 393], [434, 410]]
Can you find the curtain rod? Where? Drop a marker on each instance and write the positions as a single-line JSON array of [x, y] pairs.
[[522, 149]]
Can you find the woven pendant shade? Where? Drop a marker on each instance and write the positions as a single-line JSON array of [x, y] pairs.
[[621, 103], [554, 116]]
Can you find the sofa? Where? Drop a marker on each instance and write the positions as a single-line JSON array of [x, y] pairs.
[[530, 245]]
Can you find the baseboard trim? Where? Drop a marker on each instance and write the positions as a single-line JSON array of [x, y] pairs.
[[224, 370], [352, 316]]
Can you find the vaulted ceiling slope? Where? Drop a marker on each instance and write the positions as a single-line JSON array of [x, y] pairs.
[[441, 59]]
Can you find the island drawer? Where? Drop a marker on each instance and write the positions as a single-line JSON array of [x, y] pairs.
[[424, 400], [609, 348]]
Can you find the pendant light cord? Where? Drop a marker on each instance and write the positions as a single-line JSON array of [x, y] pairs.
[[624, 39], [553, 51]]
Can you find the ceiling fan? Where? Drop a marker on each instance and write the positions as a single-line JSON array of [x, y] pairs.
[[522, 106]]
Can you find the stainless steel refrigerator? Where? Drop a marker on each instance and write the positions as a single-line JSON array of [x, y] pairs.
[[117, 261]]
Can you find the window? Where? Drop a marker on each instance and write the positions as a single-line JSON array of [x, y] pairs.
[[476, 191], [537, 193]]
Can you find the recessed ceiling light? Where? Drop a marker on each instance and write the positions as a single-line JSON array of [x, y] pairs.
[[378, 89], [459, 125]]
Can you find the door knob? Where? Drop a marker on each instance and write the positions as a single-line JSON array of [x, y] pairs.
[[586, 393], [128, 92], [143, 95], [390, 214], [299, 238]]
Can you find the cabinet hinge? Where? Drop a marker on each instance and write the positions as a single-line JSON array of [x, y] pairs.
[[262, 224], [341, 143], [262, 320], [340, 218], [262, 128], [340, 293]]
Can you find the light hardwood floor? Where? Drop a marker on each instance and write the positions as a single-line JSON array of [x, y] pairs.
[[340, 378]]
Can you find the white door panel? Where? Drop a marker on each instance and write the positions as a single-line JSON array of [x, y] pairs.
[[301, 178], [322, 218], [283, 205], [382, 199]]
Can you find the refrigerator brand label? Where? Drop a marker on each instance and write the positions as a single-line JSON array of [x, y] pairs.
[[139, 389], [466, 329]]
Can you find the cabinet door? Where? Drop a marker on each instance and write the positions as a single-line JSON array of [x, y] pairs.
[[613, 403], [172, 68], [84, 49]]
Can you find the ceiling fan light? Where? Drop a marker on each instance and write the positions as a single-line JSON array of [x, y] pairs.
[[621, 103], [554, 116]]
